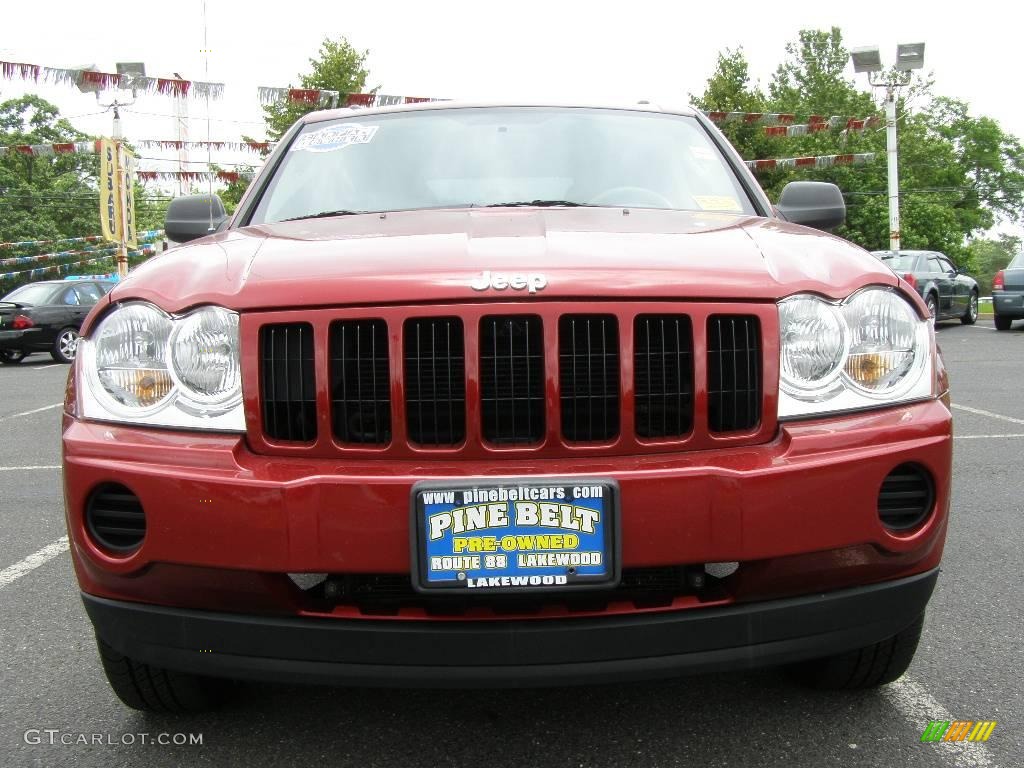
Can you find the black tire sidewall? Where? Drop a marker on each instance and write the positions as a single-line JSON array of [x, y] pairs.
[[56, 352]]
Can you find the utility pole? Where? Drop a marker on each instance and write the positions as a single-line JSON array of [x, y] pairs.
[[909, 56]]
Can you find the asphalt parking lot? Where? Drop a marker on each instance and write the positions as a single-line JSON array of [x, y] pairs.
[[967, 667]]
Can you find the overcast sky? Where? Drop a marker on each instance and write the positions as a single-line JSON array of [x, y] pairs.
[[637, 49]]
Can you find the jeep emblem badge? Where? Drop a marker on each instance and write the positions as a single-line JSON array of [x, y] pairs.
[[531, 282]]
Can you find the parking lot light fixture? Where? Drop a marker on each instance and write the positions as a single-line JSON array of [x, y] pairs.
[[909, 56]]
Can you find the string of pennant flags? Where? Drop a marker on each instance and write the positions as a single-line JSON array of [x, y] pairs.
[[189, 176], [92, 147], [148, 234], [852, 124], [146, 250], [819, 161], [92, 80]]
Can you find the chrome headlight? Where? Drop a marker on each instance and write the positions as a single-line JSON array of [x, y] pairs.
[[143, 366], [869, 350]]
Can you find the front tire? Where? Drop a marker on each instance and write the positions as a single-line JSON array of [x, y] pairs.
[[867, 667], [155, 689], [933, 307], [12, 356], [970, 317], [1003, 323], [65, 346]]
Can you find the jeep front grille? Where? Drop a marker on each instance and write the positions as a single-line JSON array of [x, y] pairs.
[[288, 382], [360, 382], [435, 381], [485, 378], [512, 379], [588, 368], [663, 375]]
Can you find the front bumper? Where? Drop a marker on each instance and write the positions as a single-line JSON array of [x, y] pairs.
[[510, 653], [225, 526]]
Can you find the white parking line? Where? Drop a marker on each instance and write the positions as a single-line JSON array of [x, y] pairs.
[[984, 437], [982, 412], [34, 466], [29, 413], [44, 367], [918, 707], [14, 572]]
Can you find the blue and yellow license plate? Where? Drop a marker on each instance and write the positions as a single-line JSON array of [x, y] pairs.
[[515, 535]]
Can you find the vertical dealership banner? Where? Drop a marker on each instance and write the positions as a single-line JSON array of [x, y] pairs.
[[128, 166], [110, 198]]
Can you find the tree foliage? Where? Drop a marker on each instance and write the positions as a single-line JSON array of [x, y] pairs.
[[959, 173], [338, 67], [44, 197]]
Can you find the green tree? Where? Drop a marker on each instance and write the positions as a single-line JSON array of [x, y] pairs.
[[44, 197], [958, 173], [986, 257], [338, 67]]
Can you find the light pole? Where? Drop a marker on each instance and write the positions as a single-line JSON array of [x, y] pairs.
[[909, 56]]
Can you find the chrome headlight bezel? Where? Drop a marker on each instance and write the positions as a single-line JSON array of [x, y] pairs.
[[181, 406], [841, 392]]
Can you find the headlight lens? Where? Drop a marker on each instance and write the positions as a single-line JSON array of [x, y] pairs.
[[814, 345], [131, 356], [205, 357], [868, 350], [143, 366], [883, 331]]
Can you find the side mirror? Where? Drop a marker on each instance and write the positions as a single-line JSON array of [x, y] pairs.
[[190, 217], [812, 203]]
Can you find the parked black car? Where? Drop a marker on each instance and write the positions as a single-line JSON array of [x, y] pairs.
[[45, 317], [1008, 293], [948, 292]]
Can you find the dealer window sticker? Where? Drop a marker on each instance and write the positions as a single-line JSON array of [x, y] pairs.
[[334, 137], [718, 203]]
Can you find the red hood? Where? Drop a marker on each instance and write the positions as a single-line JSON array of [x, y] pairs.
[[431, 256]]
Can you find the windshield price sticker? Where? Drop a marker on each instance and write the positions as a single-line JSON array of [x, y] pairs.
[[515, 537], [334, 137]]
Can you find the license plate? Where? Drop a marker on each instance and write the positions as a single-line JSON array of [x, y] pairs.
[[515, 535]]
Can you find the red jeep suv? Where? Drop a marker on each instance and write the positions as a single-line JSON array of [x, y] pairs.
[[505, 395]]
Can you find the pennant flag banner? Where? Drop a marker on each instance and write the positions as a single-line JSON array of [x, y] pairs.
[[146, 250], [225, 176], [233, 146], [26, 244], [92, 80], [774, 118], [331, 98], [315, 96], [851, 124], [821, 161], [43, 150], [146, 235], [19, 260]]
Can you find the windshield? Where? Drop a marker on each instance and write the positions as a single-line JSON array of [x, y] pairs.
[[1017, 263], [483, 157], [900, 263], [33, 293]]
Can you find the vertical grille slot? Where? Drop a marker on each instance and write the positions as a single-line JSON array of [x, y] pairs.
[[360, 382], [734, 373], [435, 380], [512, 379], [288, 381], [588, 369], [663, 375]]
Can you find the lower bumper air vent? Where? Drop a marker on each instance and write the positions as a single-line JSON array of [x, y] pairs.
[[115, 519], [906, 497]]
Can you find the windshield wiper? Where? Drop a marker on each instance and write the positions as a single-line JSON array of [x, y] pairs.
[[538, 204], [324, 215]]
